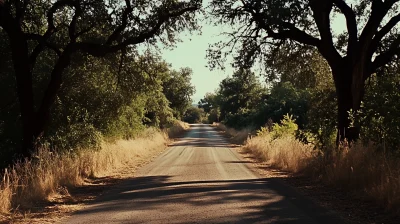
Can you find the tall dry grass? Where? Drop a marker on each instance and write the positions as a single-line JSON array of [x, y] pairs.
[[177, 129], [362, 170], [286, 153], [367, 171], [236, 136], [38, 179]]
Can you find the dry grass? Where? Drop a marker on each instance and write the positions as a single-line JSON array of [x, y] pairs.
[[178, 128], [49, 173], [362, 170], [238, 137], [367, 172], [287, 153]]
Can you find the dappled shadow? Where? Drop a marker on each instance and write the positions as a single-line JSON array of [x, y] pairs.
[[247, 201], [202, 136], [72, 198]]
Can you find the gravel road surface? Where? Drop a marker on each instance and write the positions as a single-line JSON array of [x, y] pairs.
[[201, 179]]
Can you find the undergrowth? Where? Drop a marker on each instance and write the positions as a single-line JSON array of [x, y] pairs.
[[362, 169], [31, 181]]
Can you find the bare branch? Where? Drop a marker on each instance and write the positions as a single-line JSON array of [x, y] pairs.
[[385, 57], [294, 33], [72, 25], [99, 50], [123, 25], [42, 43], [351, 23], [321, 13], [379, 10], [386, 29]]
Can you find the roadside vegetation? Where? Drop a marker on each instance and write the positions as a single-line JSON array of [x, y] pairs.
[[84, 92], [81, 84], [292, 127], [327, 105]]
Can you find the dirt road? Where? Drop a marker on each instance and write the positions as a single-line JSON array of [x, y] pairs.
[[200, 179]]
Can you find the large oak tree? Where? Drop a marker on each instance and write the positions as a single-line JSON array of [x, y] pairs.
[[65, 27], [370, 41]]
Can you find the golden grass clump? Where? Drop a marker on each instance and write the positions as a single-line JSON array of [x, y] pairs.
[[38, 179], [284, 153], [177, 129], [236, 136], [363, 170]]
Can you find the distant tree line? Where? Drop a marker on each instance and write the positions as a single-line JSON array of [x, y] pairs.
[[305, 90]]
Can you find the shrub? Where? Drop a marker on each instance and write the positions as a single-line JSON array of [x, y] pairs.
[[287, 127]]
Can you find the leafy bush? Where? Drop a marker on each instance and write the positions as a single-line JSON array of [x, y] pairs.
[[379, 114], [287, 127], [194, 115], [214, 115], [320, 128]]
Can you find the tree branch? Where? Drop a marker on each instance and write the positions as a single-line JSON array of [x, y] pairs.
[[386, 29], [351, 23], [379, 10], [321, 13], [294, 33], [128, 10], [40, 47], [100, 50], [42, 39], [385, 57], [72, 25]]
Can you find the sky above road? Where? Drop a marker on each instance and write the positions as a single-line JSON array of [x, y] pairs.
[[191, 52]]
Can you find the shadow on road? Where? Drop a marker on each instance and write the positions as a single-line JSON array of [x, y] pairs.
[[155, 192], [202, 136]]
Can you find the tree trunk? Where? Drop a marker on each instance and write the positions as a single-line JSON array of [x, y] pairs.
[[345, 105], [23, 74], [34, 123], [43, 115], [350, 90]]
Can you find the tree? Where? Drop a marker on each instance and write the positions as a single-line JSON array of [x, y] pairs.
[[305, 69], [66, 27], [178, 89], [241, 91], [371, 39], [209, 102], [193, 115]]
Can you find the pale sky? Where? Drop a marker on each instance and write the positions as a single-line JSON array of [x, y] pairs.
[[191, 52]]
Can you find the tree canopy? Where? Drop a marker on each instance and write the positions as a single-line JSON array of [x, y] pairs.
[[178, 89], [370, 41], [58, 30]]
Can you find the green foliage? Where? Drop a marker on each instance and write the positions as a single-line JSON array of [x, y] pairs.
[[283, 99], [49, 48], [263, 131], [241, 92], [75, 137], [287, 127], [214, 115], [379, 114], [194, 115], [105, 99], [102, 99], [178, 90], [209, 102], [321, 119], [286, 38]]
